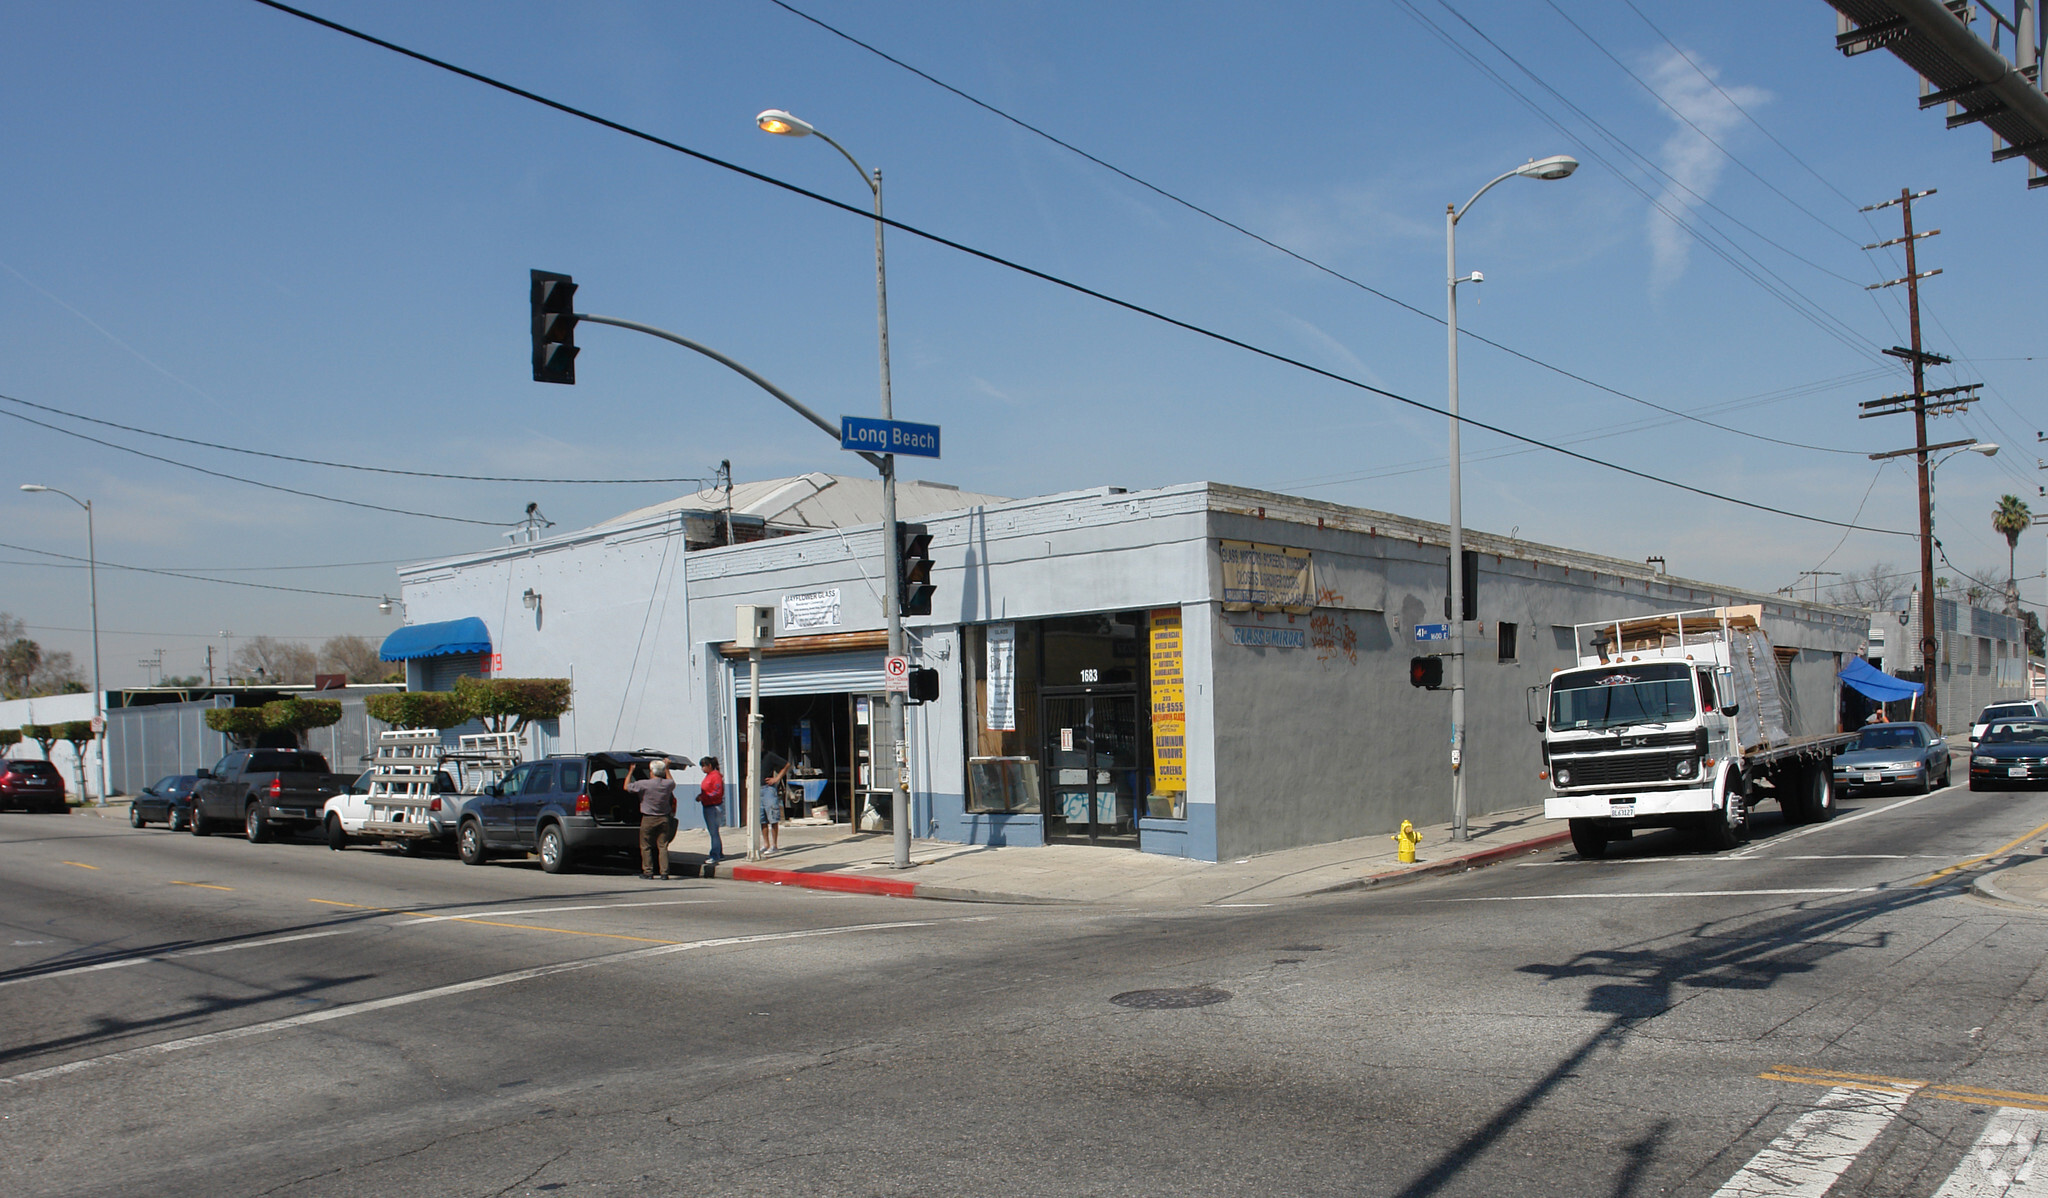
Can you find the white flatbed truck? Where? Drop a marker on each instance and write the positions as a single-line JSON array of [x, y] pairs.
[[1680, 720]]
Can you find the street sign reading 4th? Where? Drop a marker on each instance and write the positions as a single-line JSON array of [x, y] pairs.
[[889, 436]]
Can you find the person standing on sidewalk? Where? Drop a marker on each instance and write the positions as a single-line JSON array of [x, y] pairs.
[[776, 767], [711, 796], [657, 806]]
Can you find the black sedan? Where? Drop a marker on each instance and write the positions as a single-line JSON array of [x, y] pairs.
[[1909, 755], [2010, 753], [168, 800]]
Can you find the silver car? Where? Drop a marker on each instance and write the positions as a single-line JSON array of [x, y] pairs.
[[1909, 755]]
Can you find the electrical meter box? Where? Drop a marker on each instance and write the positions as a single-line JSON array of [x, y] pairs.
[[756, 627]]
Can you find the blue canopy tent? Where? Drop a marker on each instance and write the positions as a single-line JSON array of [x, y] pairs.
[[467, 635], [1874, 683]]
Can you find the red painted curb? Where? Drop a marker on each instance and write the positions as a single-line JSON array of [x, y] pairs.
[[849, 883], [1480, 858]]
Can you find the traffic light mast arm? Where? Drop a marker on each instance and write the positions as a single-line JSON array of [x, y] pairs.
[[831, 429]]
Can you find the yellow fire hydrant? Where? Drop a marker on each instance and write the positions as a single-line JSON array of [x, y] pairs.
[[1407, 838]]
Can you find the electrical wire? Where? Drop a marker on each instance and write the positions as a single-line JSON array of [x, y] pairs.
[[1304, 259], [283, 457], [84, 563], [1055, 280], [375, 507]]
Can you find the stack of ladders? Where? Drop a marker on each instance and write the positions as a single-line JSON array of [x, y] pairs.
[[402, 783]]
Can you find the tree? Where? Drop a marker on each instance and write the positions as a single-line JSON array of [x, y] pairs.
[[353, 655], [517, 702], [243, 726], [42, 734], [1873, 587], [77, 734], [181, 680], [419, 709], [57, 675], [2037, 641], [10, 737], [2011, 518], [19, 661], [295, 716], [275, 661]]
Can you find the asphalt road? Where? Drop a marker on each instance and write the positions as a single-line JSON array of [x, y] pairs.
[[1802, 1016]]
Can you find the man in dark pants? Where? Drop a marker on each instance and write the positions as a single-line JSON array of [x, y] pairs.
[[657, 795]]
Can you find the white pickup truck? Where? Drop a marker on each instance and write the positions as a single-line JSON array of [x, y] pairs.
[[397, 798], [1680, 720]]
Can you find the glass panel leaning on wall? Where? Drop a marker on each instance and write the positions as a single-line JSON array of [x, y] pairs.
[[1003, 784]]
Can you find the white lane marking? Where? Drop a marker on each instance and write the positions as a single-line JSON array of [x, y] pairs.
[[183, 952], [1718, 860], [1813, 1153], [1657, 894], [419, 996], [1838, 821], [551, 910], [1240, 904], [2003, 1163]]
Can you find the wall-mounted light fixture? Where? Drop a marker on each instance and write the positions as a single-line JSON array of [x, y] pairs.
[[532, 599], [387, 603]]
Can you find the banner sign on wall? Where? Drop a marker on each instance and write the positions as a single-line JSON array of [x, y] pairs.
[[1001, 673], [1267, 577], [812, 609], [1169, 704]]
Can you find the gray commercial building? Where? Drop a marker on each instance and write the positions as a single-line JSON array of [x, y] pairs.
[[1199, 670]]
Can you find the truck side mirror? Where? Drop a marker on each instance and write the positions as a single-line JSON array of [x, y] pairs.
[[203, 773], [1542, 725], [1731, 709]]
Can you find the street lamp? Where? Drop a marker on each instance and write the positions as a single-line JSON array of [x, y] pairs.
[[782, 124], [99, 697], [1929, 643], [1557, 166]]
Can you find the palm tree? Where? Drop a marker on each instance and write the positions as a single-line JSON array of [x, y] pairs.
[[2011, 518]]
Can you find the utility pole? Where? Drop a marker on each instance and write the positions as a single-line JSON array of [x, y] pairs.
[[209, 665], [1952, 399], [1817, 575]]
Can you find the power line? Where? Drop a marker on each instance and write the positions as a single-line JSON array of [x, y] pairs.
[[375, 507], [1055, 280], [1304, 259], [282, 457], [231, 582]]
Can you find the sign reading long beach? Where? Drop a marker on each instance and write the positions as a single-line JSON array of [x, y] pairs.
[[889, 436]]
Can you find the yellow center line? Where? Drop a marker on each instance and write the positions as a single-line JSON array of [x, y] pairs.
[[2008, 845], [524, 927], [81, 865], [203, 885], [1973, 1095]]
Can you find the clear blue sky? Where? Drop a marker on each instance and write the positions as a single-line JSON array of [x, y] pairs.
[[235, 226]]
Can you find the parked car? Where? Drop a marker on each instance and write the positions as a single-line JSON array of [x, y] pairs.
[[31, 786], [2011, 753], [561, 808], [2017, 710], [264, 792], [344, 815], [1910, 755], [167, 801]]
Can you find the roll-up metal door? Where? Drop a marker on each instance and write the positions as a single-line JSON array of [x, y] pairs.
[[441, 672], [856, 673]]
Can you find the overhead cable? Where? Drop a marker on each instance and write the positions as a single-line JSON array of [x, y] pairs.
[[1078, 288], [83, 563]]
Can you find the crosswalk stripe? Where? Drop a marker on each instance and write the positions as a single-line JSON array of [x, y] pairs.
[[2002, 1163], [1820, 1145]]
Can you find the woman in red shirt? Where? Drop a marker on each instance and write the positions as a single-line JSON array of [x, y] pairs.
[[711, 793]]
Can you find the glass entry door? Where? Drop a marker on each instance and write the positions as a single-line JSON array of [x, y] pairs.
[[1091, 763]]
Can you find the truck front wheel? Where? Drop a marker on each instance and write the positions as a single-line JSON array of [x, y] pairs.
[[1589, 838], [336, 838], [1729, 827]]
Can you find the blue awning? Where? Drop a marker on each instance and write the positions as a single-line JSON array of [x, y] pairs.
[[467, 635], [1877, 684]]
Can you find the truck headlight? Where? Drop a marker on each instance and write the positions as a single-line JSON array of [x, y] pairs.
[[1685, 767], [1563, 775]]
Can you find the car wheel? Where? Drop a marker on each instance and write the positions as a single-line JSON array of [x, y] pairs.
[[134, 816], [469, 843], [200, 825], [177, 821], [1820, 801], [336, 838], [414, 847], [554, 850], [1589, 839], [254, 826]]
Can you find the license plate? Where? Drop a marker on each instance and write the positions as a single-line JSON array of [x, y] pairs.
[[1873, 777], [1621, 810], [2016, 771]]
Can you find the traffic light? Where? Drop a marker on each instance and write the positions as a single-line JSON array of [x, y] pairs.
[[913, 570], [554, 328], [924, 685], [1426, 672], [1471, 586]]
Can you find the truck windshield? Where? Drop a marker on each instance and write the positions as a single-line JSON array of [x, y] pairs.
[[1632, 693]]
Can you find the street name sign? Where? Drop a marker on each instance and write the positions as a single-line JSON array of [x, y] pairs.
[[1432, 632], [889, 436]]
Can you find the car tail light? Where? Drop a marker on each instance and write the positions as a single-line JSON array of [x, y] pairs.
[[583, 803], [435, 805], [276, 787]]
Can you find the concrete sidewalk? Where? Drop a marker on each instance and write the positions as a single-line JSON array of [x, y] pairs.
[[2025, 883], [827, 857]]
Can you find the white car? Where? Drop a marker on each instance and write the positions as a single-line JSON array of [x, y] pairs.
[[2023, 709], [344, 815]]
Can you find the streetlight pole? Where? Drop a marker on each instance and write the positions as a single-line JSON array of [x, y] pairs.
[[782, 124], [99, 697], [1556, 166]]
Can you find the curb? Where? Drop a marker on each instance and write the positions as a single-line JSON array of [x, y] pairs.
[[861, 884], [1454, 865], [1986, 886]]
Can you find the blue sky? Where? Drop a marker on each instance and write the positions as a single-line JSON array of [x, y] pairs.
[[231, 225]]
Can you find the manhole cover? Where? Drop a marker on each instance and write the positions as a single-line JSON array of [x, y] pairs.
[[1169, 1000]]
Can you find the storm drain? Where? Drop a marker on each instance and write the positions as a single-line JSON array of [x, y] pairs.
[[1170, 1000]]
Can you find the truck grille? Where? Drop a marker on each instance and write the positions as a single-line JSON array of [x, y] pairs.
[[1633, 740], [1618, 771]]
